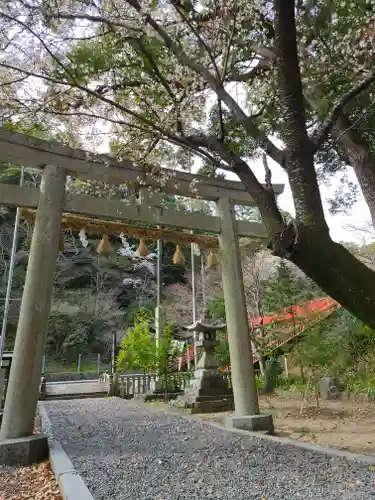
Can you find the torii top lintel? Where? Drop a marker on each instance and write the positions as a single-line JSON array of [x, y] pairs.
[[29, 151]]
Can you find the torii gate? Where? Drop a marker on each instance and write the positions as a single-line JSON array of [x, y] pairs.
[[51, 200]]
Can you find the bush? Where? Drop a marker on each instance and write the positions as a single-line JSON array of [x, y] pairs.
[[291, 383], [138, 348]]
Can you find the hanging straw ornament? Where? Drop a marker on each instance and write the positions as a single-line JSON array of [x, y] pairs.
[[104, 246], [212, 260], [83, 238], [123, 239], [178, 256], [196, 249], [142, 250]]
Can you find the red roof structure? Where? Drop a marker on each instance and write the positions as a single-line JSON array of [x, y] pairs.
[[300, 317]]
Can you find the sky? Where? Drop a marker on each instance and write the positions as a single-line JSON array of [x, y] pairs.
[[339, 225]]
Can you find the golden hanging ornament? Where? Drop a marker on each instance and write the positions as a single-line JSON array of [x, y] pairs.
[[178, 256], [104, 246], [142, 250], [212, 260]]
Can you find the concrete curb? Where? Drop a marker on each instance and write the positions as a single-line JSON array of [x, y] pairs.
[[71, 484], [314, 448]]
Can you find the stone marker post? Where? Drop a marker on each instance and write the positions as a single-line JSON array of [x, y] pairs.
[[24, 380]]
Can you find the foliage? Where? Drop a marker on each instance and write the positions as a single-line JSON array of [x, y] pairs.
[[291, 382], [340, 346], [137, 349], [216, 308], [140, 351], [222, 351], [318, 350]]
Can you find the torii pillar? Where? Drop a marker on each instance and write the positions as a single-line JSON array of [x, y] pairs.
[[17, 443], [247, 415]]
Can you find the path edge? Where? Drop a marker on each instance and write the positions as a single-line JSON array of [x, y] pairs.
[[314, 448], [71, 484]]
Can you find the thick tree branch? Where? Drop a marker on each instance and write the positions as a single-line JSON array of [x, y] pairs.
[[264, 198], [300, 166], [320, 136]]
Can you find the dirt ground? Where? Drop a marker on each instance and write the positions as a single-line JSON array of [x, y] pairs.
[[343, 425], [34, 483]]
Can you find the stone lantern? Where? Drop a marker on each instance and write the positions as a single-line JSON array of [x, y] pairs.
[[208, 391]]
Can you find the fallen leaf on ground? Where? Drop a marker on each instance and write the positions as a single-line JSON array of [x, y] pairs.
[[36, 482]]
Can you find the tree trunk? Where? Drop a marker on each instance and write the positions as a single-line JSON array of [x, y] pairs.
[[337, 272], [360, 157], [357, 152]]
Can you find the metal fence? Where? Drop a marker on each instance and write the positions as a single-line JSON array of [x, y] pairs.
[[90, 363]]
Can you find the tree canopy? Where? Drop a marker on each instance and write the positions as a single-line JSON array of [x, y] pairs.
[[171, 82]]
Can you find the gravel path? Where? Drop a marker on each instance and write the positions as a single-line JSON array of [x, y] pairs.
[[130, 452]]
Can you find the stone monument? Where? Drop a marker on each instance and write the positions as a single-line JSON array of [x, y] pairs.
[[208, 391], [329, 388]]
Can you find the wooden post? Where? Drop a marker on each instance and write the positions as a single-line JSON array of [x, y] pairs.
[[243, 377], [24, 380], [286, 368], [98, 365]]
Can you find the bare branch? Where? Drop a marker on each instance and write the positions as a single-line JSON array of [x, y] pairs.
[[268, 173], [197, 35], [262, 66], [320, 136], [95, 19]]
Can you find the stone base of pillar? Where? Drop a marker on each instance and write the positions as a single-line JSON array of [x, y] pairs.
[[24, 451], [263, 422], [208, 392]]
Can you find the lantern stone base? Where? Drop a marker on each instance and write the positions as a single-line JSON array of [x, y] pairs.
[[208, 392], [262, 422]]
